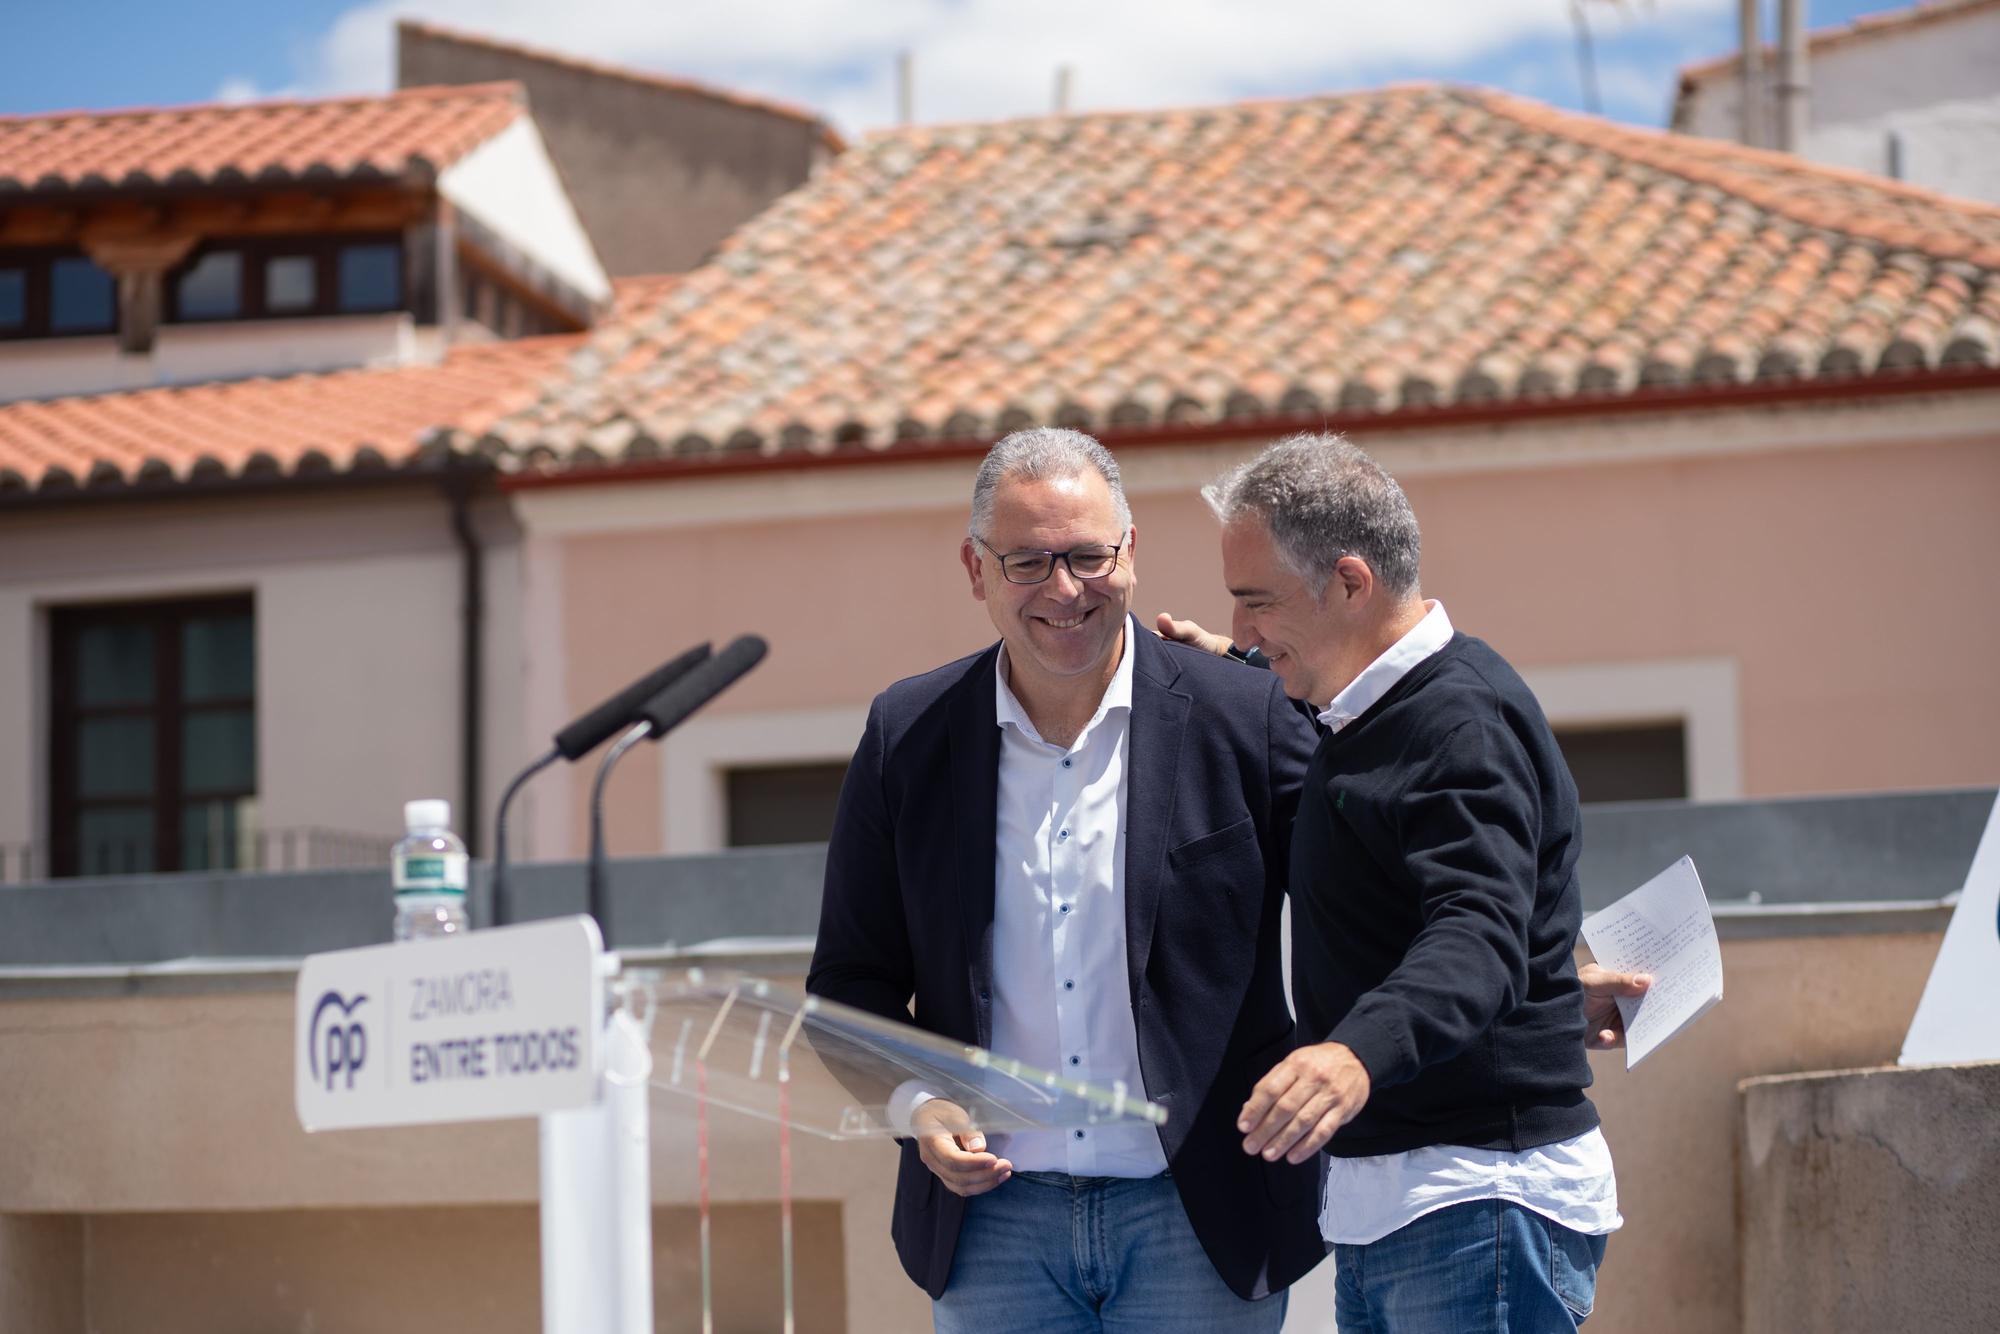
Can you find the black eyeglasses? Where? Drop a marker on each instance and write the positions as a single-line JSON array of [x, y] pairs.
[[1034, 567]]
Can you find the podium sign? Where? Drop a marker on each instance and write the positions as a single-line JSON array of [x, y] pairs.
[[493, 1024]]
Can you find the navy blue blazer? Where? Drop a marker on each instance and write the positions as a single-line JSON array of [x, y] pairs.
[[1217, 757]]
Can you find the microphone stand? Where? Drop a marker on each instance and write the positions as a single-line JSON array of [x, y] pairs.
[[502, 909], [638, 732]]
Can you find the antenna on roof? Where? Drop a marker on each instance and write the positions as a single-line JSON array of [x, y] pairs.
[[1065, 82], [906, 88], [1586, 59]]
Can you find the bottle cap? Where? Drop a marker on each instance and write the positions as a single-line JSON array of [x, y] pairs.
[[431, 813]]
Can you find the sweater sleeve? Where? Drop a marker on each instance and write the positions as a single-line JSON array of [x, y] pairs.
[[1469, 829]]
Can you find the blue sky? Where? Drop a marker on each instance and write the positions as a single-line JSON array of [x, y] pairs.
[[975, 59]]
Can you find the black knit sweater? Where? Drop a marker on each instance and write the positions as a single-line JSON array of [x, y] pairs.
[[1436, 908]]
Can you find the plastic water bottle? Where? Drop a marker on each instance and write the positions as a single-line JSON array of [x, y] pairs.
[[428, 868]]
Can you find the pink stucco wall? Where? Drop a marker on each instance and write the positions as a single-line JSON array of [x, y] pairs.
[[1852, 587]]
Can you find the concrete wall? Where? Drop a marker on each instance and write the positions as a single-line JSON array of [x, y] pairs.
[[391, 1271], [1870, 1200], [1793, 1004], [659, 173], [1695, 566], [159, 1124], [357, 597], [169, 1188]]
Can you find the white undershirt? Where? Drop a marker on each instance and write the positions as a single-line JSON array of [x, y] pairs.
[[1366, 1199]]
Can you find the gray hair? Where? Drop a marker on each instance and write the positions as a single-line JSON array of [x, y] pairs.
[[1323, 498], [1037, 454]]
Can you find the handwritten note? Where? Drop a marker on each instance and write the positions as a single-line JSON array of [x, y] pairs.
[[1664, 928]]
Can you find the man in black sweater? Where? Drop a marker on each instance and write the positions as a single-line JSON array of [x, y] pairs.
[[1435, 914]]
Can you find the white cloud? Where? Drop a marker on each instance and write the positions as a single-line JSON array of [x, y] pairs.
[[979, 59], [237, 88]]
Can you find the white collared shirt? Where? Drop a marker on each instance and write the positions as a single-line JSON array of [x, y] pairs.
[[1061, 997], [1426, 637], [1368, 1198]]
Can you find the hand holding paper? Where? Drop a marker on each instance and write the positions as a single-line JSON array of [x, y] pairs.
[[1662, 928]]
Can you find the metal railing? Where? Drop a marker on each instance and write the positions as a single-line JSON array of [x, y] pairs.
[[298, 849]]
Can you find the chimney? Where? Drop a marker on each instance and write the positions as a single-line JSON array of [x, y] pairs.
[[906, 88], [1065, 76], [1792, 82], [1750, 72]]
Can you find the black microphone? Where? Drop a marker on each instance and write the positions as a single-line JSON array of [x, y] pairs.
[[579, 739], [594, 728], [661, 714], [671, 707]]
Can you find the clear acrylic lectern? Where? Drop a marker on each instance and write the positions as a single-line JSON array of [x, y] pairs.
[[741, 1045]]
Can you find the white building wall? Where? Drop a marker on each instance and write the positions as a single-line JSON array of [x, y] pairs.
[[510, 184], [1920, 103], [189, 354]]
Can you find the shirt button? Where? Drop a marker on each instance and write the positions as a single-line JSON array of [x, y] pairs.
[[1076, 1060], [1064, 908], [1069, 984], [1079, 1134], [1063, 834], [1066, 764]]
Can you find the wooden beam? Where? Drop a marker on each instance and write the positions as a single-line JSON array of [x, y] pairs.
[[32, 224], [138, 252], [272, 213]]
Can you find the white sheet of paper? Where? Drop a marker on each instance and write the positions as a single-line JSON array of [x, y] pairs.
[[1954, 1020], [1664, 928]]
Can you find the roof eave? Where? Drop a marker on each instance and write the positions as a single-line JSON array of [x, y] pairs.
[[1641, 401]]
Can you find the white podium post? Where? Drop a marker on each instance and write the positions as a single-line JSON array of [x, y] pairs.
[[597, 1207]]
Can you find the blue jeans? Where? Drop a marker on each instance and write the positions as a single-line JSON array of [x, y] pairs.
[[1480, 1267], [1046, 1253]]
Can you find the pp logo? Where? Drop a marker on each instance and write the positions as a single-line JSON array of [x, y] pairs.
[[344, 1045]]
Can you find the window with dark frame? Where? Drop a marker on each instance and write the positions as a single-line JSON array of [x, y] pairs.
[[13, 299], [782, 803], [370, 277], [212, 288], [51, 292], [1627, 762], [288, 277], [153, 737]]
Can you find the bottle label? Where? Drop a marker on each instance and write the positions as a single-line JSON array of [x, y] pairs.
[[431, 873]]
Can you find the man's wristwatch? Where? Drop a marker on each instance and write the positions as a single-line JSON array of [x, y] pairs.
[[1249, 657]]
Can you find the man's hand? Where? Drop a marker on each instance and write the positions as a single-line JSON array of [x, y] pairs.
[[1601, 988], [954, 1151], [1187, 632], [1295, 1109]]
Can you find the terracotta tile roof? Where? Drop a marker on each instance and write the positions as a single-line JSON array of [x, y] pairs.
[[358, 138], [640, 294], [1374, 252], [342, 421], [790, 111], [1860, 29]]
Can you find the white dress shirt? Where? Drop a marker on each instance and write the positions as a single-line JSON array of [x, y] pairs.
[[1061, 998], [1366, 1199]]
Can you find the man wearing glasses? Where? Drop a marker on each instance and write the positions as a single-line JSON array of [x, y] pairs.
[[1070, 848]]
